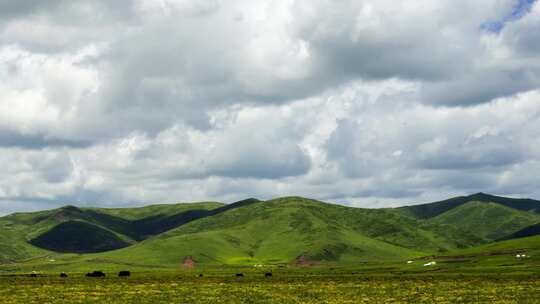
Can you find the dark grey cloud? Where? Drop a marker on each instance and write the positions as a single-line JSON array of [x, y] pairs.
[[60, 26], [270, 160], [14, 9], [10, 138], [67, 11], [476, 87], [487, 151]]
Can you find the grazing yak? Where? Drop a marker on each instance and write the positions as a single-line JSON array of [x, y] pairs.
[[95, 274], [63, 275], [268, 274], [239, 275], [124, 273]]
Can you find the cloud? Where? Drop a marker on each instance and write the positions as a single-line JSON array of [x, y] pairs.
[[11, 9], [465, 148], [37, 141], [249, 145], [138, 101]]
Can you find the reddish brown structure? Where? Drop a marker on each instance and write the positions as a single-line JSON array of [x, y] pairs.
[[189, 262], [303, 261]]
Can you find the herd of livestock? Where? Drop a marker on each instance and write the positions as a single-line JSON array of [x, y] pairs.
[[124, 273]]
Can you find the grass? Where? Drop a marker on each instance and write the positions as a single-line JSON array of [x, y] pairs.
[[20, 228], [490, 221], [485, 274], [283, 287]]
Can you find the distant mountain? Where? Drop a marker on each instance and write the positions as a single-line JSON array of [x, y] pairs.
[[284, 230], [426, 211]]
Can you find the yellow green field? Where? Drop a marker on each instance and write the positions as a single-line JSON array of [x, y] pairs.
[[280, 288]]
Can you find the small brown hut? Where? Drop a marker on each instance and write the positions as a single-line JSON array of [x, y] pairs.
[[188, 262]]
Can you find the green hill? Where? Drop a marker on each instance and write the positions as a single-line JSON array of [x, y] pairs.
[[426, 211], [289, 229], [285, 230], [19, 229], [277, 231], [487, 220], [79, 237]]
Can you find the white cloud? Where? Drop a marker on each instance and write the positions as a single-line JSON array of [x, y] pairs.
[[142, 101]]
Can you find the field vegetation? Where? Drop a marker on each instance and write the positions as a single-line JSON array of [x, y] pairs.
[[283, 287]]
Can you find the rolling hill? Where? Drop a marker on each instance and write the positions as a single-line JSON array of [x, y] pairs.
[[24, 235], [487, 220], [426, 211], [285, 230]]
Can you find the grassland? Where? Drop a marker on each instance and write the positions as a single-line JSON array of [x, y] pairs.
[[351, 255], [283, 287], [274, 232]]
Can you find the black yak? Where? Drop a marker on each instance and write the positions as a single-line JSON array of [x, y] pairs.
[[95, 274]]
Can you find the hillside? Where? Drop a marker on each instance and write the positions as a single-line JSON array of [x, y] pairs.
[[525, 232], [78, 237], [426, 211], [60, 229], [287, 229], [283, 230], [487, 220]]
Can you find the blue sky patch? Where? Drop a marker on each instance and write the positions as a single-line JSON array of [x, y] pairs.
[[520, 9]]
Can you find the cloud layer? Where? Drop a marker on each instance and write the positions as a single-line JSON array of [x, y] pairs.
[[370, 103]]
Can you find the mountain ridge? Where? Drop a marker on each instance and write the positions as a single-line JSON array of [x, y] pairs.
[[428, 210], [278, 230]]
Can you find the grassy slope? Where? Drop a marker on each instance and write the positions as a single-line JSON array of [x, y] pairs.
[[499, 257], [529, 245], [156, 210], [281, 230], [426, 211], [19, 228], [525, 232], [491, 221], [275, 231], [13, 245], [80, 237]]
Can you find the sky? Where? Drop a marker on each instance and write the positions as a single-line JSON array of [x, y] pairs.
[[363, 103]]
